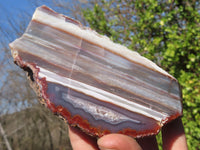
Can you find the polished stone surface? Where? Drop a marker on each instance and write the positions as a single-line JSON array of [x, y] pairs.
[[93, 83]]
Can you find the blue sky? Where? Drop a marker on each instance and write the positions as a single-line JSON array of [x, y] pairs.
[[13, 7], [17, 13], [16, 9], [14, 4]]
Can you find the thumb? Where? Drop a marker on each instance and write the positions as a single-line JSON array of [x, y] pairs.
[[117, 142]]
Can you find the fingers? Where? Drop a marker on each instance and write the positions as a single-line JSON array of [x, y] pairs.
[[173, 139], [81, 141], [148, 143], [173, 136], [118, 142]]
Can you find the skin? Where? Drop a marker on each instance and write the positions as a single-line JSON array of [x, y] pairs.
[[172, 134]]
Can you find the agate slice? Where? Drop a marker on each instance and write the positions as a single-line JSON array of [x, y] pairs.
[[94, 84]]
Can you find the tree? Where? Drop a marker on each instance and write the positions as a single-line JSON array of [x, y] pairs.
[[24, 123], [168, 33]]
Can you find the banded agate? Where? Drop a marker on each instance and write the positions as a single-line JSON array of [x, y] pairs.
[[94, 84]]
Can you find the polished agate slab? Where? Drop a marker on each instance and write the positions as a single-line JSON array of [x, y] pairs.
[[94, 84]]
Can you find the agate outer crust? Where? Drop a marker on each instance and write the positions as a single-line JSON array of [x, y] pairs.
[[94, 84]]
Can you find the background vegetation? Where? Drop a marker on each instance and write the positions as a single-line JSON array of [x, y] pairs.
[[165, 31], [168, 33]]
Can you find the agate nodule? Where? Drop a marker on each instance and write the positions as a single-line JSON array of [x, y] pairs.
[[97, 85]]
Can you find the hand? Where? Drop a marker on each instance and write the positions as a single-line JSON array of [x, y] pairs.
[[172, 134]]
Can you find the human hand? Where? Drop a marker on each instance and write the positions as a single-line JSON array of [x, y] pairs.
[[172, 134]]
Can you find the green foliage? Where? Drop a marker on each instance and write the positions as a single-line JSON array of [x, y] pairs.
[[168, 33], [98, 21]]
